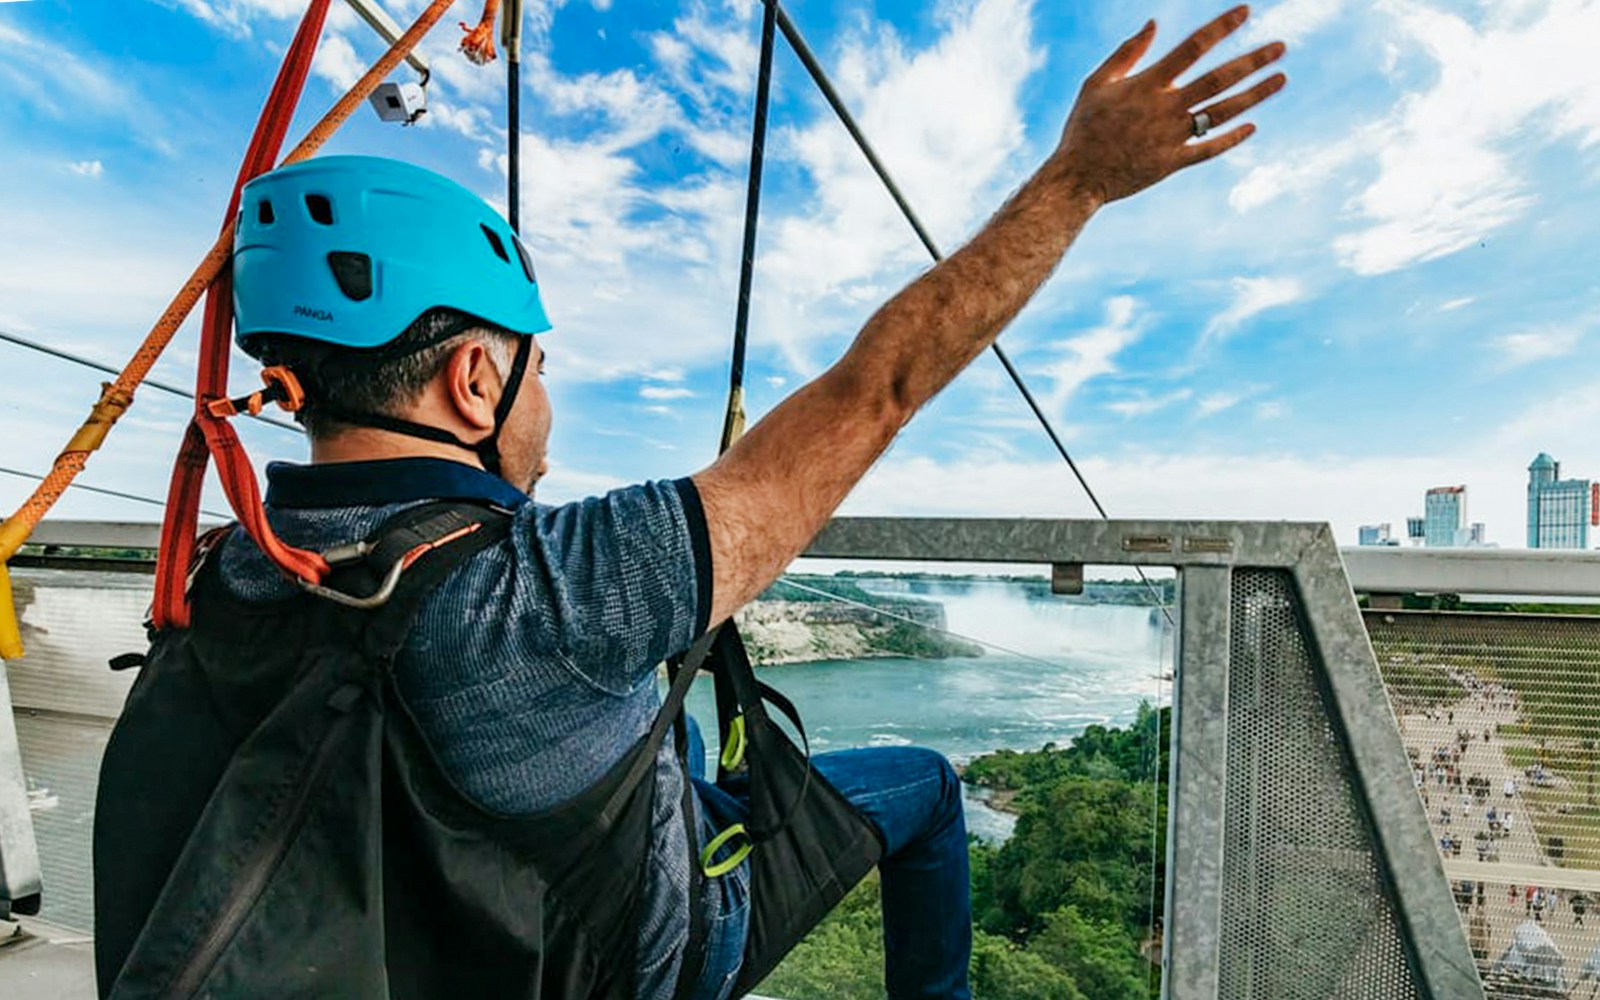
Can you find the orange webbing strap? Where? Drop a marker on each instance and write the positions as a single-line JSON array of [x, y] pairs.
[[176, 551], [170, 607], [239, 483]]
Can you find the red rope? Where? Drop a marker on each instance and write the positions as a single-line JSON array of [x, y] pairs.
[[171, 607]]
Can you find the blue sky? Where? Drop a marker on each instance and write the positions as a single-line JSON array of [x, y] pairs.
[[1392, 286]]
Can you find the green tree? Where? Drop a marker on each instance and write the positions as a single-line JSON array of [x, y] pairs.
[[1079, 842], [1097, 955], [1003, 970]]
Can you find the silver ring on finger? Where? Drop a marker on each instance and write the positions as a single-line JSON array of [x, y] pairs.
[[1199, 124]]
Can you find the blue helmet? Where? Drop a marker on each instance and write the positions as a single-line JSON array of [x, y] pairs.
[[351, 250]]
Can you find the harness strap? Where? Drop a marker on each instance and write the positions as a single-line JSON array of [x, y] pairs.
[[748, 696], [671, 706], [692, 962], [426, 544], [171, 607]]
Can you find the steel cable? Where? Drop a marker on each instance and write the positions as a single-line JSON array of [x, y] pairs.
[[819, 76], [56, 352]]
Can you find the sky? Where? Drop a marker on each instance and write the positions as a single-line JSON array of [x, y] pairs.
[[1392, 286]]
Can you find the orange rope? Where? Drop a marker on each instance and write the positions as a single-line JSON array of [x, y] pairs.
[[117, 396]]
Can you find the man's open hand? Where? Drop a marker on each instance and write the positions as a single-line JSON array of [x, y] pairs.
[[1127, 132]]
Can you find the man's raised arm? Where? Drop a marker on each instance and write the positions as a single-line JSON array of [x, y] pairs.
[[769, 495]]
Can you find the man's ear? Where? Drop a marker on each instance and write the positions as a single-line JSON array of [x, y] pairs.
[[472, 384]]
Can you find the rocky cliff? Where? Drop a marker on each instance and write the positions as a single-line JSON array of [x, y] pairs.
[[783, 631]]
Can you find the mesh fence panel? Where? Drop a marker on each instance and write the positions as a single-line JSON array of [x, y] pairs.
[[1305, 912], [65, 698], [1500, 714]]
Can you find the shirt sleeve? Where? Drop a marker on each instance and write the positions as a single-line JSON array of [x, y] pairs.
[[627, 577]]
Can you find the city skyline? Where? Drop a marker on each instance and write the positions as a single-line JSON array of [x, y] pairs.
[[1559, 514]]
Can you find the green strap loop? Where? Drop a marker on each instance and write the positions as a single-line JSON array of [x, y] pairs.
[[733, 753], [733, 861]]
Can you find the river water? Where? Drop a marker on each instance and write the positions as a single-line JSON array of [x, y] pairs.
[[1051, 668]]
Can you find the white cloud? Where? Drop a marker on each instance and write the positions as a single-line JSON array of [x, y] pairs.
[[1449, 168], [1460, 303], [634, 108], [1272, 409], [1252, 296], [1089, 355], [1363, 485], [336, 61], [235, 16], [665, 392], [87, 168], [711, 52], [1143, 404], [946, 121], [1298, 171], [55, 79], [1216, 402], [1528, 346], [1451, 158], [1292, 21]]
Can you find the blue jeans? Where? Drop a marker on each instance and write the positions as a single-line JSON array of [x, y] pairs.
[[913, 797]]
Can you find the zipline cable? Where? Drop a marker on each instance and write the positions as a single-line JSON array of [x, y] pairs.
[[1152, 968], [511, 41], [102, 490], [56, 352], [820, 77], [733, 422]]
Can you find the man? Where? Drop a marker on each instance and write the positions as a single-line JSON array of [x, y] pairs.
[[532, 668]]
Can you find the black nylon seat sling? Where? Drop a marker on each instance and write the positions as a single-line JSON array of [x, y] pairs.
[[271, 820], [809, 845]]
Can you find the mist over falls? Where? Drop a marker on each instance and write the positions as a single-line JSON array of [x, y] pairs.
[[1053, 667]]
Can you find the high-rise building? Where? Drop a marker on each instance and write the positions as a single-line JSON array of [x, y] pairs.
[[1444, 515], [1377, 534], [1560, 511], [1414, 530]]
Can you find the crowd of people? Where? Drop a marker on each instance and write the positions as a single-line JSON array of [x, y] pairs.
[[1473, 792]]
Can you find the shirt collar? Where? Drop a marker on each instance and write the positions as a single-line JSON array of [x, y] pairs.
[[383, 482]]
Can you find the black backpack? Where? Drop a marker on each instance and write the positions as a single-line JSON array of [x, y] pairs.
[[271, 820]]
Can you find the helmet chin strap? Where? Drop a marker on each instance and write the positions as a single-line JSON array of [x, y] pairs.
[[487, 450]]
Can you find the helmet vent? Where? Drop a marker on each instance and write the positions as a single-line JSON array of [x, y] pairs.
[[321, 209], [527, 261], [264, 213], [353, 272], [495, 243]]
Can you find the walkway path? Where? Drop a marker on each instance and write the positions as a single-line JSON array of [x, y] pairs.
[[1521, 859]]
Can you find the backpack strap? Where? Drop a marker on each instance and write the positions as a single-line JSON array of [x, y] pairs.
[[682, 670], [385, 578]]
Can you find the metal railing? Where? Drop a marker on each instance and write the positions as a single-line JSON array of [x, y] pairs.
[[1303, 855]]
